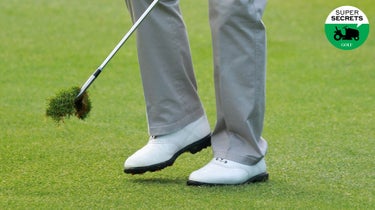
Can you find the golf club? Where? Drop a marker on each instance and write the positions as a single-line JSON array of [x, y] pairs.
[[91, 79]]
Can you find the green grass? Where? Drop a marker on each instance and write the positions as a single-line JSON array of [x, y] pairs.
[[319, 123]]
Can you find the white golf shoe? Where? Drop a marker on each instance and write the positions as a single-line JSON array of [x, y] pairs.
[[162, 151], [220, 171]]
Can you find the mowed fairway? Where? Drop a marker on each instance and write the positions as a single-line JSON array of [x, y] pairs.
[[320, 119]]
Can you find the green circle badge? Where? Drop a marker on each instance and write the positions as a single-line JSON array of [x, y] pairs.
[[347, 27]]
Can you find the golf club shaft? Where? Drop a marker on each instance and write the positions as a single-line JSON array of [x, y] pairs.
[[91, 79]]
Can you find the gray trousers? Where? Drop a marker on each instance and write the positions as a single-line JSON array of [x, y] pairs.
[[170, 89]]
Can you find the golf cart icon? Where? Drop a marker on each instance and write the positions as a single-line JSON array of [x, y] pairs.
[[350, 34]]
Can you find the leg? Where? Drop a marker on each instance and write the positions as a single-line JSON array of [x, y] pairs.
[[166, 67], [176, 118], [239, 44]]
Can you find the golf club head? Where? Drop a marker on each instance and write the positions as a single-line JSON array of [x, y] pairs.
[[82, 105]]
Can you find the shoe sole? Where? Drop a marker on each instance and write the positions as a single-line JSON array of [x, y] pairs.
[[192, 148], [263, 177]]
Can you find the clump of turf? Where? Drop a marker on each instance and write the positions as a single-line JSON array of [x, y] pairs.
[[65, 104]]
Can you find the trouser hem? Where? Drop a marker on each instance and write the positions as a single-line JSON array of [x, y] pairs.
[[175, 126]]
